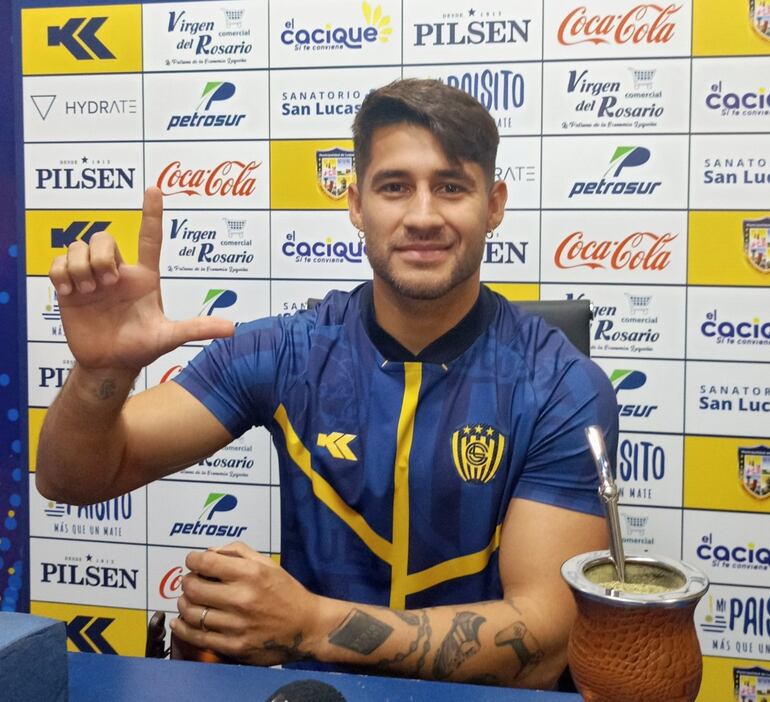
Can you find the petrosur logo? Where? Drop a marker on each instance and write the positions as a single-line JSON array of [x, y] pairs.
[[97, 39], [217, 300], [623, 380], [335, 38], [215, 504], [213, 92], [623, 157]]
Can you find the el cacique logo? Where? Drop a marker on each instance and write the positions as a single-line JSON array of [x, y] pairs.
[[646, 23], [234, 178], [638, 250]]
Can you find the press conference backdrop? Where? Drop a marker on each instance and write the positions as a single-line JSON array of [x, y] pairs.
[[635, 147]]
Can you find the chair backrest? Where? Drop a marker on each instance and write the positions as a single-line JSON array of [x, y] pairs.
[[573, 317]]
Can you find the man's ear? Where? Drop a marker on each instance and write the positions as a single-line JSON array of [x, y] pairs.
[[498, 196], [354, 206]]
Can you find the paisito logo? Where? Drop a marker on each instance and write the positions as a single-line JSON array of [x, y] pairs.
[[328, 38], [643, 250], [644, 23], [623, 157], [78, 36], [233, 178], [631, 380], [217, 300], [215, 503], [213, 91], [496, 90]]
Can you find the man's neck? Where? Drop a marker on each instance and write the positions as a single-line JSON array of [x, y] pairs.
[[416, 324]]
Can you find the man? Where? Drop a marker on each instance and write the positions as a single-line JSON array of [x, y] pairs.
[[434, 471]]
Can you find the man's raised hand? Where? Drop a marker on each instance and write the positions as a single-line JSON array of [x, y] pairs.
[[113, 312]]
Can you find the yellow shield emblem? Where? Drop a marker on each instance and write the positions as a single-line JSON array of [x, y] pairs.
[[477, 451]]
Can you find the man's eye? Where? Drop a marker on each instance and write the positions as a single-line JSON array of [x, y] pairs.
[[392, 188], [452, 188]]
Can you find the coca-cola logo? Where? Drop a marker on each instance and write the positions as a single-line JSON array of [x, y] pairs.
[[645, 23], [171, 584], [171, 373], [229, 178], [639, 250]]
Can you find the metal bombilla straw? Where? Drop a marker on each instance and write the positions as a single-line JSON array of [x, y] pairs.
[[608, 492]]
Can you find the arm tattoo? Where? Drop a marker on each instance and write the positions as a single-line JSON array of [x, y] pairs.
[[106, 389], [360, 633], [460, 644], [524, 644], [425, 646], [412, 620], [291, 650]]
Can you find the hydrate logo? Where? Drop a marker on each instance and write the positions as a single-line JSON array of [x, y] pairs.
[[631, 380], [215, 503], [643, 24], [78, 36], [43, 104], [623, 157], [328, 38], [217, 300], [212, 92]]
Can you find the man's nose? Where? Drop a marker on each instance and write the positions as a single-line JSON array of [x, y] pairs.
[[423, 213]]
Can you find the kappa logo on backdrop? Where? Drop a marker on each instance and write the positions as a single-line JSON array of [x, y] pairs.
[[61, 238], [647, 23], [622, 158], [759, 11], [78, 36]]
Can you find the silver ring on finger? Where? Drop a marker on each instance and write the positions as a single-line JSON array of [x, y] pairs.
[[202, 620]]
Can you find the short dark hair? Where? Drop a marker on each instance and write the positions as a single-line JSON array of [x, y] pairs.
[[463, 127]]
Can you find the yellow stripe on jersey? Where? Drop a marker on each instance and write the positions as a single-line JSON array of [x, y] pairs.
[[400, 564]]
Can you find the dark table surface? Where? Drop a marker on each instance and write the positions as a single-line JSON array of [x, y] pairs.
[[100, 678]]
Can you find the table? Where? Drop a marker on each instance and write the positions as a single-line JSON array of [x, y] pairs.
[[97, 678]]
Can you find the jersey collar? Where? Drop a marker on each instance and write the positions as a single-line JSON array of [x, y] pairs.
[[444, 349]]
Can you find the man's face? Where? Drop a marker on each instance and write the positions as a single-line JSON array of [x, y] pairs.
[[424, 217]]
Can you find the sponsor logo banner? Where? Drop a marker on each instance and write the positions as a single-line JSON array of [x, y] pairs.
[[642, 321], [48, 367], [236, 300], [35, 417], [607, 28], [294, 175], [730, 324], [518, 165], [214, 105], [649, 470], [728, 172], [49, 232], [291, 296], [735, 622], [727, 399], [98, 629], [165, 568], [205, 35], [74, 175], [616, 96], [75, 108], [207, 515], [727, 248], [719, 676], [726, 473], [346, 34], [651, 530], [119, 519], [644, 172], [649, 393], [92, 39], [227, 175], [511, 251], [610, 247], [729, 548], [729, 28], [510, 91], [310, 104], [487, 31], [215, 244], [111, 575]]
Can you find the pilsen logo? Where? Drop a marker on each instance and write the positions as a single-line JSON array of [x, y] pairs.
[[234, 178], [646, 23], [638, 250], [171, 584]]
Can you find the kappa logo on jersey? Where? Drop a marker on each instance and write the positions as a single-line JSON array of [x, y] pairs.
[[78, 230], [622, 158], [647, 23], [622, 379], [335, 170], [78, 36], [477, 451], [751, 684], [756, 243], [217, 300], [338, 445], [760, 17], [754, 470]]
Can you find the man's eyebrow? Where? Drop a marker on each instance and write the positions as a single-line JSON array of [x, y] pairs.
[[388, 173], [447, 173]]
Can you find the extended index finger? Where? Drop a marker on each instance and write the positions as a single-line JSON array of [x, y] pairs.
[[151, 229]]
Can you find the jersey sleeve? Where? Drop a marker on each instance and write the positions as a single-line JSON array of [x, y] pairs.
[[237, 378], [559, 468]]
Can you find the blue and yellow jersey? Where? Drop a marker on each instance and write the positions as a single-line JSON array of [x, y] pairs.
[[397, 470]]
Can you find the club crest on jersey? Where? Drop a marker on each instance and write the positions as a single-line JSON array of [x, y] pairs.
[[754, 470], [760, 16], [756, 243], [335, 171], [477, 450]]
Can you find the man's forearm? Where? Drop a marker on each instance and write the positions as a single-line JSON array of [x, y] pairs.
[[82, 439], [485, 642]]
